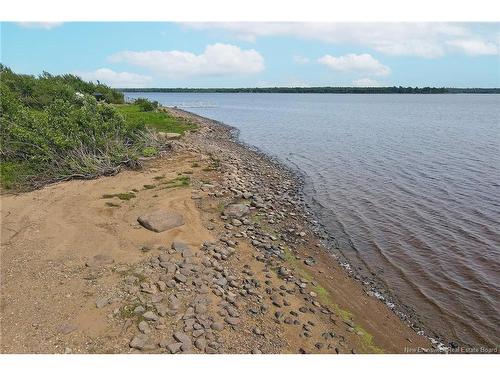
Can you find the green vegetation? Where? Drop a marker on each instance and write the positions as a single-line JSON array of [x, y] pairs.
[[330, 90], [147, 187], [146, 105], [122, 196], [158, 120], [366, 338], [53, 129], [176, 182], [150, 151]]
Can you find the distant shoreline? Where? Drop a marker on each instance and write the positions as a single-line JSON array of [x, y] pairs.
[[322, 90]]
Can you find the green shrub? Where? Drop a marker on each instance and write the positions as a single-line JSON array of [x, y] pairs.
[[146, 105], [49, 133]]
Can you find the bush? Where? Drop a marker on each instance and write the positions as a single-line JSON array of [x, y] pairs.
[[146, 105], [49, 133]]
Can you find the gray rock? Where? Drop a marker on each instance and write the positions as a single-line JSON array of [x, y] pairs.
[[174, 347], [310, 261], [163, 257], [217, 326], [142, 342], [181, 247], [236, 210], [149, 315], [221, 281], [182, 337], [283, 272], [101, 302], [180, 278], [232, 320], [162, 309], [198, 332], [200, 308], [144, 327], [139, 310], [160, 220], [236, 222], [200, 343]]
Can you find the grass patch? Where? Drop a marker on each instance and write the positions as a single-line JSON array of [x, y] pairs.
[[127, 312], [158, 178], [157, 120], [176, 182], [149, 187], [149, 151], [111, 204], [121, 196]]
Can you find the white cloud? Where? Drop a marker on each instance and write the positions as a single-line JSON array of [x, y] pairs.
[[366, 82], [216, 59], [475, 46], [116, 79], [363, 63], [40, 25], [427, 40], [301, 59]]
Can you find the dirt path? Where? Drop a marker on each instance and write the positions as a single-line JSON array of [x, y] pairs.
[[80, 275]]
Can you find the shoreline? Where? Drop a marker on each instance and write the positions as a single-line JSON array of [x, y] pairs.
[[260, 283], [329, 244], [373, 286]]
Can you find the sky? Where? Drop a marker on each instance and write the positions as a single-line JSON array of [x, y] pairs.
[[246, 54]]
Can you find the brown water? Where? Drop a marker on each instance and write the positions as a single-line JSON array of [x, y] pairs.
[[409, 186]]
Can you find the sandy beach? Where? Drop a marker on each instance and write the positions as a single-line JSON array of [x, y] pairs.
[[243, 273]]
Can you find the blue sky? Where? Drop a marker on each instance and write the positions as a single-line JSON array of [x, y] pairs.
[[259, 54]]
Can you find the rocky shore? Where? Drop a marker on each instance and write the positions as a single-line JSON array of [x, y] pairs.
[[209, 250]]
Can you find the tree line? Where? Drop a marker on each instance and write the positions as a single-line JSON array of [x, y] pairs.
[[325, 90]]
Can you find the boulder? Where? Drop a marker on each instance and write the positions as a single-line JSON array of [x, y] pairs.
[[236, 210], [160, 220]]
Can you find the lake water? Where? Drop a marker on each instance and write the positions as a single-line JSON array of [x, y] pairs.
[[408, 184]]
